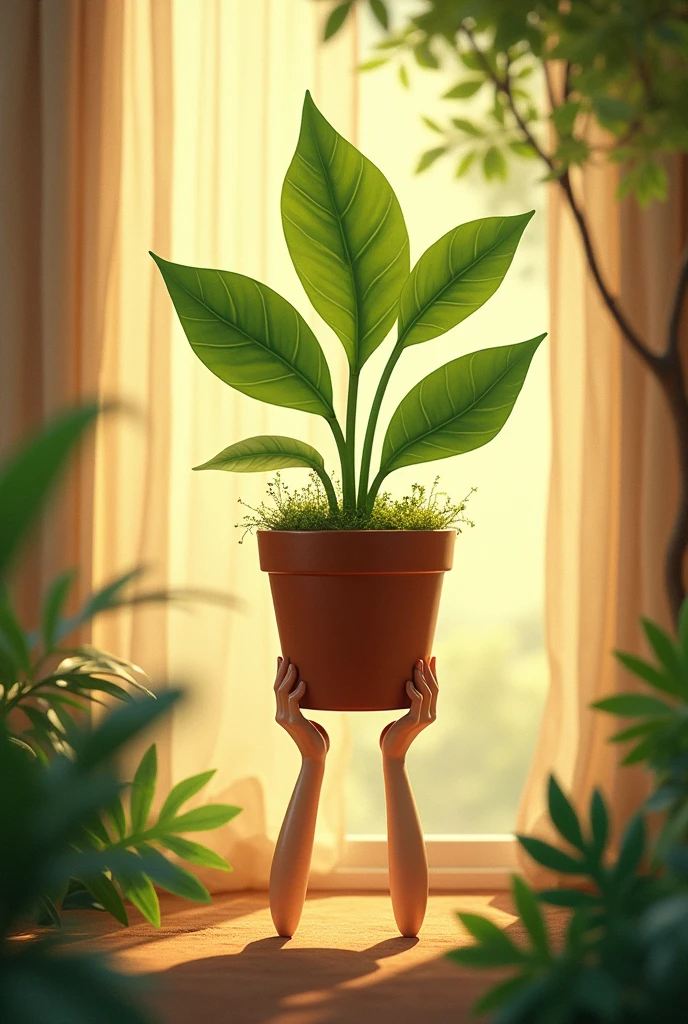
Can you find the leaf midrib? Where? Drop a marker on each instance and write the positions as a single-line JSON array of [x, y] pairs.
[[453, 281], [444, 423], [257, 341]]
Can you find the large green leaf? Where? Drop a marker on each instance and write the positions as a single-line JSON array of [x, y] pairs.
[[172, 877], [264, 453], [102, 890], [195, 853], [139, 890], [346, 236], [201, 819], [182, 792], [456, 275], [143, 789], [30, 473], [250, 337], [458, 407]]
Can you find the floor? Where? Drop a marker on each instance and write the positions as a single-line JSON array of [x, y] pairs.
[[211, 964]]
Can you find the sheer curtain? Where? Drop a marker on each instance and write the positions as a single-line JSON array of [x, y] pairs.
[[613, 487]]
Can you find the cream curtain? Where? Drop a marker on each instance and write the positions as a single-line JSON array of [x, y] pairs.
[[211, 107], [613, 485]]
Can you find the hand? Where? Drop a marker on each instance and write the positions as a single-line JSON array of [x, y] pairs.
[[398, 736], [311, 739]]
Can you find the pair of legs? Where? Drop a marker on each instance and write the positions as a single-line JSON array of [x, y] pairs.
[[408, 865]]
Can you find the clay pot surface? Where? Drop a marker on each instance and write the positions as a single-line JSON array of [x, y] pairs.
[[356, 609]]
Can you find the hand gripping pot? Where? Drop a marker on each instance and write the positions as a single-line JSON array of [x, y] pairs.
[[355, 609]]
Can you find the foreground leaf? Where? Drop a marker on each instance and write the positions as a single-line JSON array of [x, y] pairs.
[[105, 893], [182, 792], [143, 789], [139, 890], [250, 337], [458, 407], [346, 236], [195, 853]]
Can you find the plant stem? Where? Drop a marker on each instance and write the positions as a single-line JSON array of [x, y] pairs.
[[374, 488], [329, 490], [349, 479], [364, 498], [341, 448]]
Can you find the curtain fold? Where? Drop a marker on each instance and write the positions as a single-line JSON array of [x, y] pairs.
[[211, 108], [613, 487]]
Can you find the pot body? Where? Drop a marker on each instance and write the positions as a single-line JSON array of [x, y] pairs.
[[356, 610]]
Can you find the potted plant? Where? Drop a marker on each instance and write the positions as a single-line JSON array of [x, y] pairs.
[[355, 576]]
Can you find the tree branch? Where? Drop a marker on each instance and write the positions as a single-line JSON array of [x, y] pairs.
[[677, 307]]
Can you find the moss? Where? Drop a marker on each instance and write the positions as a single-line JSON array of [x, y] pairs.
[[307, 509]]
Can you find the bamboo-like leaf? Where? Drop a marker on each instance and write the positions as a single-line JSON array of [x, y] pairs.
[[664, 648], [500, 994], [53, 606], [29, 474], [648, 673], [195, 853], [632, 848], [115, 812], [182, 792], [103, 890], [12, 636], [550, 856], [143, 789], [201, 819], [172, 877], [456, 275], [139, 890], [599, 822], [563, 815], [633, 705], [531, 915], [337, 18], [346, 236], [250, 337], [572, 898], [458, 407]]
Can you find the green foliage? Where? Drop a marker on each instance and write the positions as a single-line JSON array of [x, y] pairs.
[[307, 508], [625, 68], [624, 957], [348, 242]]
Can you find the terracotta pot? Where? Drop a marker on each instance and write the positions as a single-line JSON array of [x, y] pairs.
[[356, 609]]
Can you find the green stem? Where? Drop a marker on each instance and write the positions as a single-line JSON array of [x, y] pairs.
[[329, 490], [364, 498], [374, 488], [349, 486], [341, 448]]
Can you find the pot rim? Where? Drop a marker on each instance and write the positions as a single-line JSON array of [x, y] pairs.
[[355, 552]]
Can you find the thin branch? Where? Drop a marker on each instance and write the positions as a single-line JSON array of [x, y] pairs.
[[677, 307]]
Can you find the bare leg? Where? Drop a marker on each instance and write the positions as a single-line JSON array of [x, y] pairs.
[[292, 858], [408, 864]]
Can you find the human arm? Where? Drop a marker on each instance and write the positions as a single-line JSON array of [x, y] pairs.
[[408, 864], [292, 858]]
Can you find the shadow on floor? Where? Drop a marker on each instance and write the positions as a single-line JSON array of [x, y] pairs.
[[270, 982]]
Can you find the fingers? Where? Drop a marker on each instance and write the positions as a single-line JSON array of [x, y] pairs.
[[282, 691], [295, 696], [423, 687], [282, 669], [430, 673], [416, 697]]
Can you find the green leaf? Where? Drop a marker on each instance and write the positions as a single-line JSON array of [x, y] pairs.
[[380, 12], [346, 236], [648, 673], [563, 815], [572, 898], [139, 890], [485, 956], [172, 877], [634, 731], [432, 125], [633, 705], [428, 158], [564, 117], [494, 164], [531, 915], [250, 337], [632, 848], [28, 475], [13, 638], [195, 853], [115, 812], [201, 819], [464, 90], [143, 789], [458, 407], [523, 149], [496, 948], [105, 893], [610, 111], [50, 910], [683, 627], [264, 453], [403, 76], [337, 18], [644, 751], [182, 792], [468, 127], [664, 648], [465, 163], [53, 606], [457, 275], [371, 65], [424, 55], [550, 857]]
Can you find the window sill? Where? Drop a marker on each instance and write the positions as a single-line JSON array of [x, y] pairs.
[[455, 862]]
